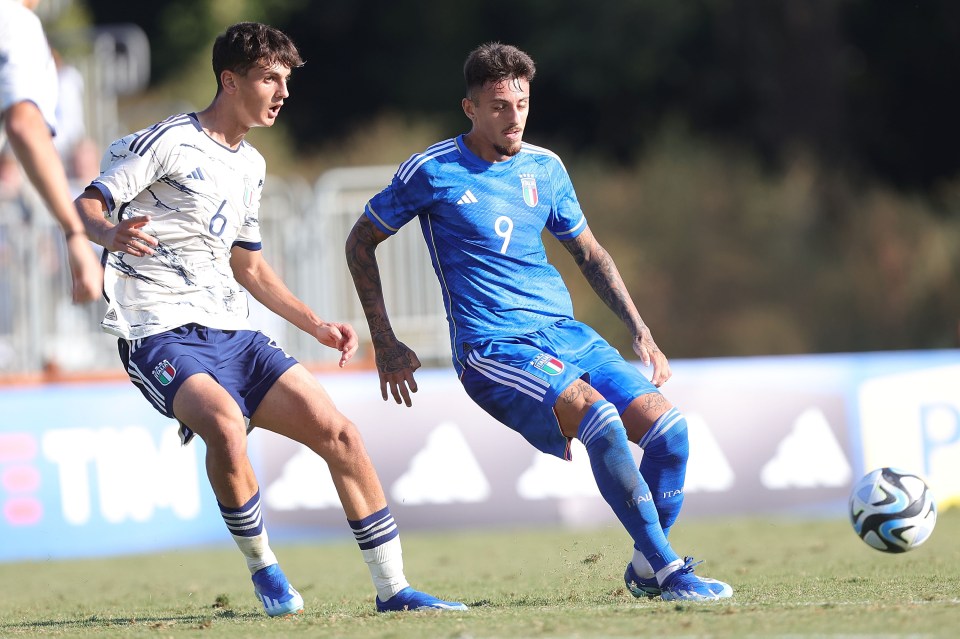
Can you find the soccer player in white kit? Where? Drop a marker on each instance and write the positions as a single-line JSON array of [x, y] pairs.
[[176, 207], [28, 101]]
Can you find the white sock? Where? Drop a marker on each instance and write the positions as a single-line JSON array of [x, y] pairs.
[[640, 565], [246, 526], [386, 568], [256, 550], [664, 572]]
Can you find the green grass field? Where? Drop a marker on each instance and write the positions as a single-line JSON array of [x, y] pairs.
[[791, 579]]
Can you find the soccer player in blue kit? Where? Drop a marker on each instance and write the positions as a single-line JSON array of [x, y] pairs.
[[177, 208], [482, 200]]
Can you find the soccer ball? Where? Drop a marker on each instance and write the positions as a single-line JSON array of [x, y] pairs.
[[892, 510]]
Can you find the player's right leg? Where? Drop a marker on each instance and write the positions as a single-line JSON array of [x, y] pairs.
[[173, 370], [211, 412]]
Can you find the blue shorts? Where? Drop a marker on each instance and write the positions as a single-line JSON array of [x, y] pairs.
[[245, 363], [518, 380]]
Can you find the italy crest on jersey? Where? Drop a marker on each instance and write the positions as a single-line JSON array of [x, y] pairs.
[[164, 372], [247, 192], [549, 365], [529, 185]]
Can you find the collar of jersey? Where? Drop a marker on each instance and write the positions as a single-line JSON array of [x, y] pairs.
[[470, 158]]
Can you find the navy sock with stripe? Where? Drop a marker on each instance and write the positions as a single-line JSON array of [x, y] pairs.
[[379, 541], [246, 526]]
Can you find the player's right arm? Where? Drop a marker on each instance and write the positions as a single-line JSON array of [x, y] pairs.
[[31, 142], [127, 235], [396, 362]]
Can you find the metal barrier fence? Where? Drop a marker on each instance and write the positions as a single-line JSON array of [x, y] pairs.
[[304, 229]]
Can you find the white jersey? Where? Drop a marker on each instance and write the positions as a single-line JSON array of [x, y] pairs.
[[203, 199], [27, 71]]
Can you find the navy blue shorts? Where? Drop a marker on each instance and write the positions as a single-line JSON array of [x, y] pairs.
[[518, 380], [245, 363]]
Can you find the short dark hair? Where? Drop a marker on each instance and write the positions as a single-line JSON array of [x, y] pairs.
[[493, 62], [246, 44]]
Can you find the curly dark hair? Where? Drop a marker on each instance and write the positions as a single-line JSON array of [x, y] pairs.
[[492, 62], [247, 44]]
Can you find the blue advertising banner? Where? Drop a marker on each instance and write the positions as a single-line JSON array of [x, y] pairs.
[[92, 469]]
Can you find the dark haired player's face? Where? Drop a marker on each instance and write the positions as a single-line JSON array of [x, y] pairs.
[[499, 115], [262, 92]]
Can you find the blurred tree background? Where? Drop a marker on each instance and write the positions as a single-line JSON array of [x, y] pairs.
[[771, 177]]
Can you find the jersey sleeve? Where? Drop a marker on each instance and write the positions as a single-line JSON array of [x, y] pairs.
[[125, 173], [566, 221], [249, 237], [27, 71], [401, 201]]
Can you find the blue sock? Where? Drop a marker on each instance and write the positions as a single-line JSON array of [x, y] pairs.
[[664, 464], [621, 484]]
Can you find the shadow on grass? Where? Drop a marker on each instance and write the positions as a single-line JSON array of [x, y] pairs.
[[154, 621]]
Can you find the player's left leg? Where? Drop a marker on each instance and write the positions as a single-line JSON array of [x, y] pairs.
[[655, 425], [298, 407]]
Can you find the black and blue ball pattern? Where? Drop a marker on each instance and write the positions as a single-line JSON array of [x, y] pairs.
[[892, 510]]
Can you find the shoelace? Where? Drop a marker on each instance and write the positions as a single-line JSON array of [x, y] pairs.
[[688, 565]]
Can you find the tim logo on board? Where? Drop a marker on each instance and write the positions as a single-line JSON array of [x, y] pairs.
[[67, 492], [20, 480]]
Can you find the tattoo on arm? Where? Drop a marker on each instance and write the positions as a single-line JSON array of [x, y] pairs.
[[604, 279], [360, 250], [393, 359]]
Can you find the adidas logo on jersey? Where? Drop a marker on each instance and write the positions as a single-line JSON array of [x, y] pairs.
[[467, 198], [196, 174]]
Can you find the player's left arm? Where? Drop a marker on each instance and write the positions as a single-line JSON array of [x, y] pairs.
[[256, 275], [601, 272]]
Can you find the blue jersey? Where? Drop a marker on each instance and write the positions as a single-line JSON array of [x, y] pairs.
[[482, 223]]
